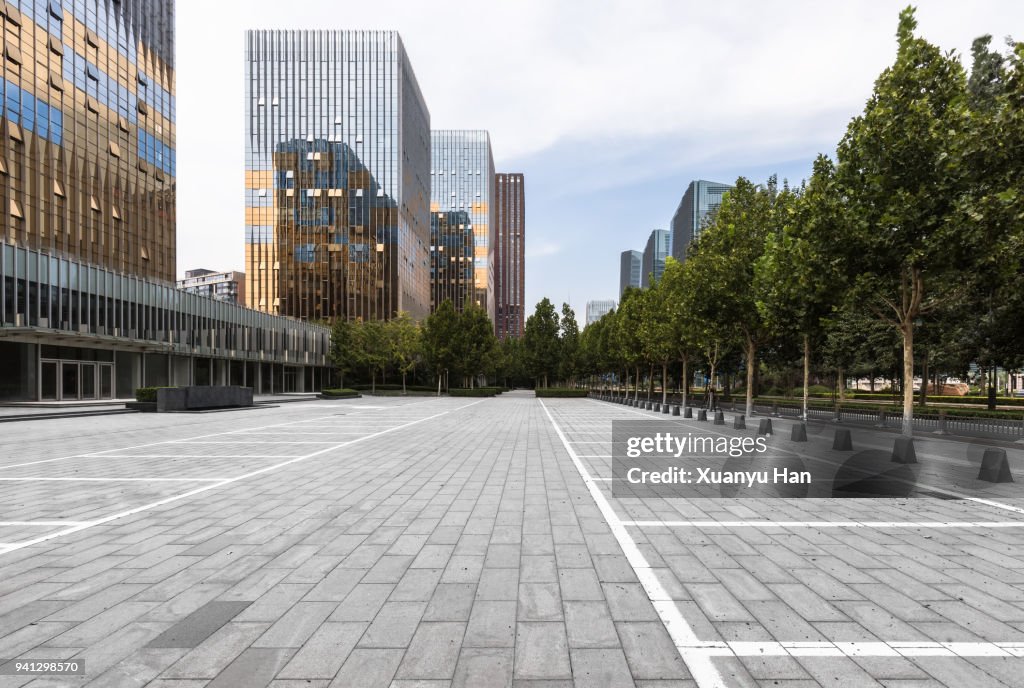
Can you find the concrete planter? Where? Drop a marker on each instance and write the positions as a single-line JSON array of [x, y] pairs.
[[200, 397]]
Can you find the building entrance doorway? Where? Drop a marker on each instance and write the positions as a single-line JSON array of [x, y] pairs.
[[61, 380]]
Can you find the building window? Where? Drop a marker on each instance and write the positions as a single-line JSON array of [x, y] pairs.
[[144, 252], [56, 82], [143, 110], [94, 204], [14, 131], [115, 149], [55, 45], [58, 189], [13, 54], [115, 212], [16, 209], [91, 105]]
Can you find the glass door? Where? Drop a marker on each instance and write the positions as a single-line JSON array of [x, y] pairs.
[[106, 381], [69, 380], [48, 381], [87, 376]]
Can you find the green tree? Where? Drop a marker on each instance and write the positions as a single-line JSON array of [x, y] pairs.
[[343, 354], [627, 345], [570, 335], [679, 285], [475, 341], [374, 348], [440, 332], [405, 342], [899, 179], [796, 283], [657, 332], [541, 343]]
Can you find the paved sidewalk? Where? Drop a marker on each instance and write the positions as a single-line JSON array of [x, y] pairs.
[[454, 542]]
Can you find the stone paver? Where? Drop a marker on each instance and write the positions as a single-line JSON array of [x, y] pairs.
[[452, 542]]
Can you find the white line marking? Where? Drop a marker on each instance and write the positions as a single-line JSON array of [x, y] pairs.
[[199, 437], [700, 665], [211, 486], [189, 456], [114, 479], [823, 524], [951, 493], [42, 523], [594, 456], [252, 442], [913, 648]]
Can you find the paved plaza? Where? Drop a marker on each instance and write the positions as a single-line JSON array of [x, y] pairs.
[[434, 542]]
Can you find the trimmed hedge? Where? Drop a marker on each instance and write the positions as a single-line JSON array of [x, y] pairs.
[[895, 409], [561, 392], [148, 394], [946, 399], [474, 392], [393, 388], [339, 393]]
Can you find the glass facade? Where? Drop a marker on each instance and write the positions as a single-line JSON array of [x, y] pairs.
[[71, 312], [462, 183], [87, 153], [337, 176], [630, 265], [702, 199], [510, 255], [598, 309], [659, 247]]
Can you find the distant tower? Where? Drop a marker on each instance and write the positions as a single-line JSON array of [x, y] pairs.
[[510, 255]]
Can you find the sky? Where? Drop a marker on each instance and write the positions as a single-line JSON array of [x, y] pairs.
[[609, 107]]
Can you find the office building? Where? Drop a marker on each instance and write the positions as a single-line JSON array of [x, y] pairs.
[[462, 188], [598, 309], [510, 255], [88, 308], [222, 286], [630, 265], [337, 176], [659, 247], [452, 275], [87, 152], [699, 203]]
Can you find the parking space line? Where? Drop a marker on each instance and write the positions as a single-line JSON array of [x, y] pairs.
[[197, 437], [979, 500], [824, 524], [112, 479], [700, 664], [42, 523], [10, 547]]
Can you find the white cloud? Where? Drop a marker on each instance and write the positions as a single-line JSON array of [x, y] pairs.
[[729, 78]]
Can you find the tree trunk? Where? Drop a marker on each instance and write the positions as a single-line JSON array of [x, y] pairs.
[[664, 382], [403, 384], [636, 382], [685, 381], [750, 376], [807, 373], [650, 383], [438, 384], [373, 381], [907, 328], [924, 379], [842, 384]]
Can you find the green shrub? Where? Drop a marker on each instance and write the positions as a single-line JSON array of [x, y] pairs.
[[561, 392], [148, 394], [474, 392], [393, 388], [339, 393]]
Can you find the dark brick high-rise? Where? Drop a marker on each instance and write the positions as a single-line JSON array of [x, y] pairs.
[[509, 255]]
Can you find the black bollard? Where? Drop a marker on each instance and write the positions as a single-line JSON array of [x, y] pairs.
[[994, 467], [702, 414], [689, 412], [799, 433], [719, 417], [903, 450], [739, 422], [842, 441], [764, 426]]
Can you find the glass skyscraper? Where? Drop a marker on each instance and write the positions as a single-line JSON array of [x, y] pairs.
[[337, 176], [510, 254], [659, 247], [701, 199], [88, 308], [87, 159], [630, 265], [462, 187], [598, 309]]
